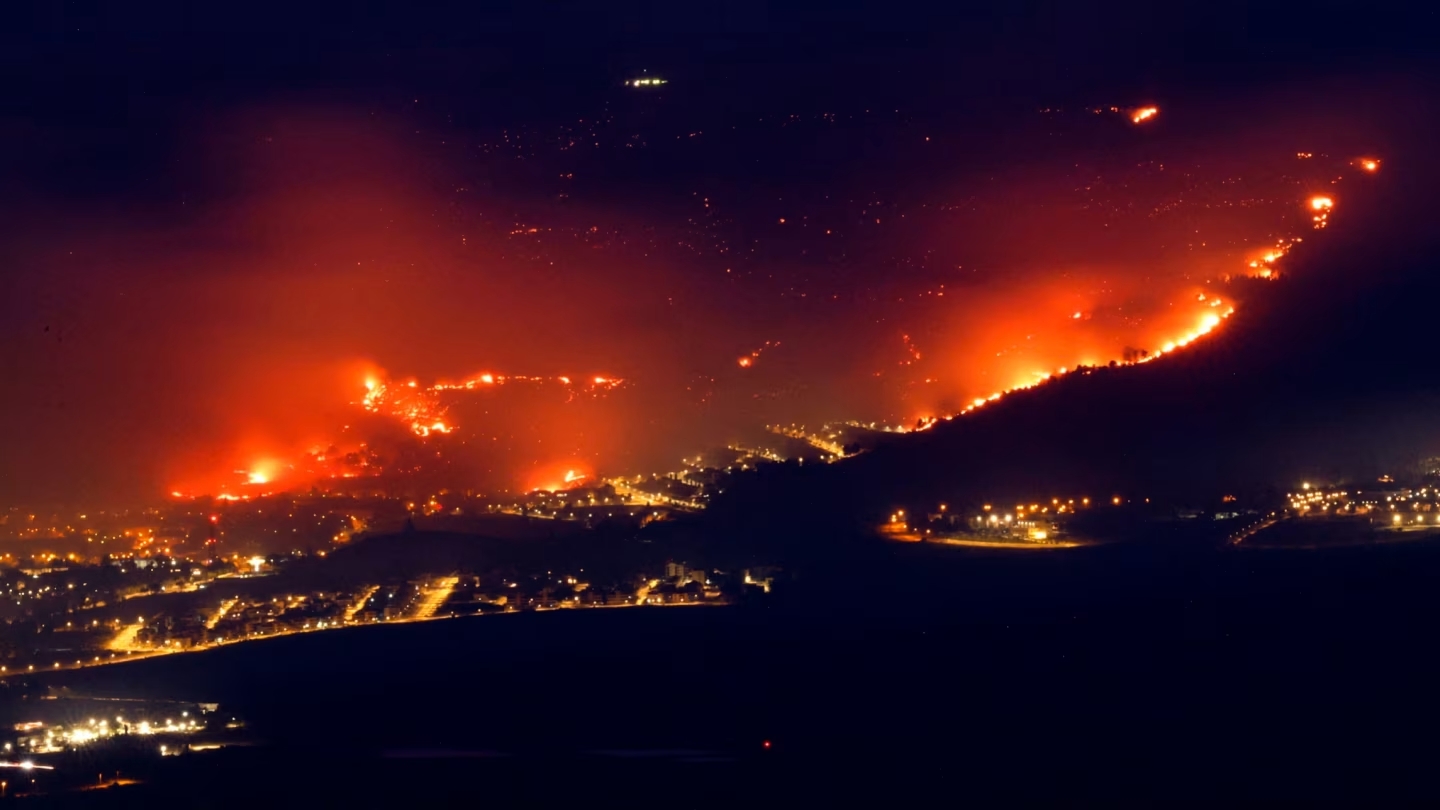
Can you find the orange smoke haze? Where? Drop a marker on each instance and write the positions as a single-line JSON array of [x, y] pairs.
[[346, 302], [225, 341], [1158, 277]]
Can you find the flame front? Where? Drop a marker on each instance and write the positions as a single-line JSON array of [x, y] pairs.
[[423, 409], [1208, 322]]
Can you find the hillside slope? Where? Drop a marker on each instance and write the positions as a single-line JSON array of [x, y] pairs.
[[1327, 371]]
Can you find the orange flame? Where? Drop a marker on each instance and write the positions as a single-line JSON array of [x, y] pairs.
[[559, 477], [1209, 322], [424, 409]]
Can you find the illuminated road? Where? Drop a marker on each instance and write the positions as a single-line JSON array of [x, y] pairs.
[[359, 605], [768, 455], [916, 537], [112, 783], [124, 641], [435, 597], [640, 497], [220, 614], [123, 647], [1252, 531], [834, 448], [644, 591], [188, 587], [532, 513], [955, 541]]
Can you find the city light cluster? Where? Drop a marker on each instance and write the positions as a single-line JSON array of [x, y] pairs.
[[1402, 507], [41, 738]]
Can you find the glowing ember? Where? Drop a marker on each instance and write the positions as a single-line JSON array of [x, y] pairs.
[[748, 360]]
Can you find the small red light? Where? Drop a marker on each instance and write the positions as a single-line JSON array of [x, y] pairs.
[[765, 744], [214, 518]]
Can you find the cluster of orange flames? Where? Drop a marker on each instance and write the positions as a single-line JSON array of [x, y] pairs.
[[423, 409], [1263, 267], [1208, 322], [1319, 205], [1143, 114]]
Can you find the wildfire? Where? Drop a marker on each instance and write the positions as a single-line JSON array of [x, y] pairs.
[[428, 411], [1261, 267], [559, 477], [1143, 114], [424, 409], [261, 472], [1207, 324]]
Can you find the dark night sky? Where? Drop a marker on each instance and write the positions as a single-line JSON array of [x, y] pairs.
[[218, 219]]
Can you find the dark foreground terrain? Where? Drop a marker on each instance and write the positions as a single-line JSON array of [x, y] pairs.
[[1152, 669]]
